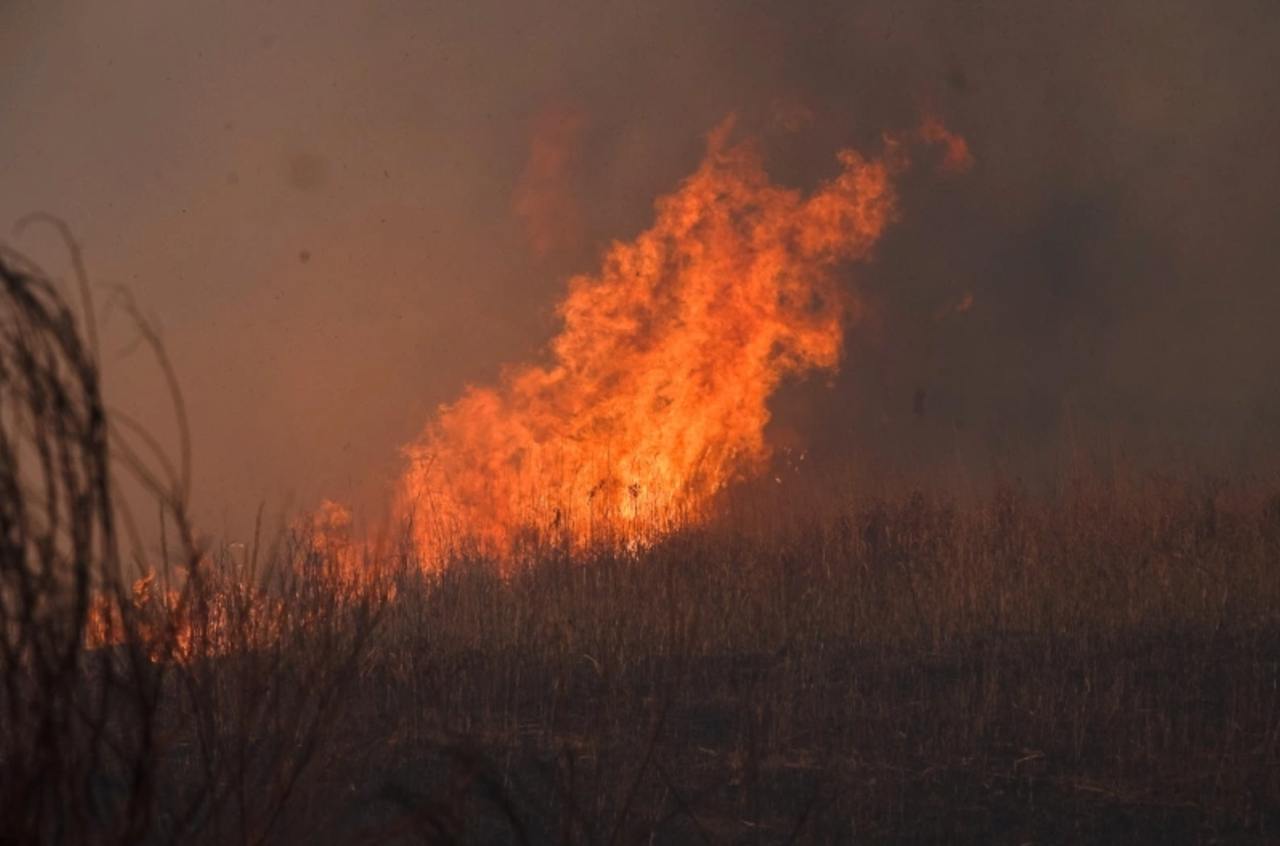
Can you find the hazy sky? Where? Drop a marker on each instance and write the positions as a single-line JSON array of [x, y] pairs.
[[340, 213]]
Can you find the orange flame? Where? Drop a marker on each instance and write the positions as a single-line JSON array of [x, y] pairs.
[[655, 395]]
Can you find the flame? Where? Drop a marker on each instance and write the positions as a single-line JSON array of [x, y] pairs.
[[654, 399], [655, 394], [956, 156]]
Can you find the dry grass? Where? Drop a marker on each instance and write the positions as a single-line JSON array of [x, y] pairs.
[[1102, 662], [1095, 661]]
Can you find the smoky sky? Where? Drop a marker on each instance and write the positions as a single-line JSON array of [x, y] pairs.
[[340, 214]]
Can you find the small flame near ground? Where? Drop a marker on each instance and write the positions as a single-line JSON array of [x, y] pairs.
[[654, 397]]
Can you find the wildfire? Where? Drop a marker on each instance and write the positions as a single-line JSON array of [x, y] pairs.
[[655, 393], [227, 608]]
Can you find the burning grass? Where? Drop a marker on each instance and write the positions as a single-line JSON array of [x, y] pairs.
[[1099, 660], [654, 394], [1094, 663]]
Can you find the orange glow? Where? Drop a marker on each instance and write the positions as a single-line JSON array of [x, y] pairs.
[[956, 155], [654, 395]]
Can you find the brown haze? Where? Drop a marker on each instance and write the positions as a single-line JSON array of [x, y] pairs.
[[342, 217]]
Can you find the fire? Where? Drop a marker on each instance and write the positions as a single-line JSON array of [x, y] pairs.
[[225, 609], [655, 394]]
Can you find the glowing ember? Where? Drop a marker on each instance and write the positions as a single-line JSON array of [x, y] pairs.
[[655, 394]]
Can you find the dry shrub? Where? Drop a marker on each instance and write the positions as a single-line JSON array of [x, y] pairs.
[[177, 707]]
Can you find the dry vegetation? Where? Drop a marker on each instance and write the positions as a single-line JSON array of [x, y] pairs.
[[1099, 661]]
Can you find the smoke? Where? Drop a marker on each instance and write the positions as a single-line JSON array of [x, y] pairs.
[[544, 196], [342, 216]]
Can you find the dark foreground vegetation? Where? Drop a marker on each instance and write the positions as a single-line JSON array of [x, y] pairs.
[[1098, 665], [1092, 661]]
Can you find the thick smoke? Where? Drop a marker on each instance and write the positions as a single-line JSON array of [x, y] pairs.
[[341, 215]]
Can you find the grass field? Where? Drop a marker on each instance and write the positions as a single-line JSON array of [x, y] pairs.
[[1097, 664], [1093, 660]]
